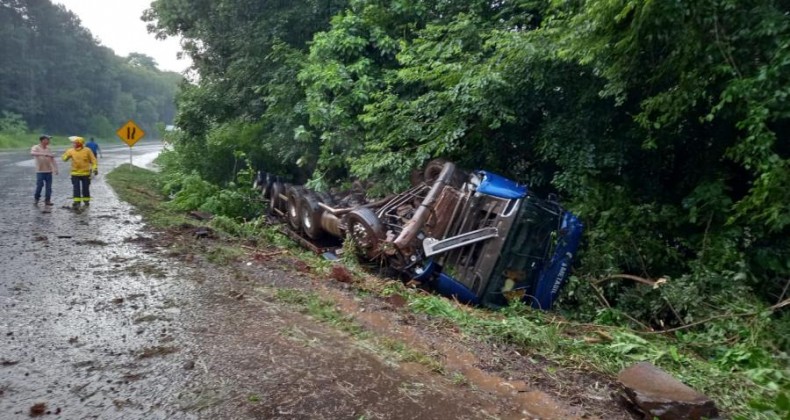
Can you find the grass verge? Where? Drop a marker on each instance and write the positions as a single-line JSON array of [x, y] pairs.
[[10, 140], [138, 187], [325, 311]]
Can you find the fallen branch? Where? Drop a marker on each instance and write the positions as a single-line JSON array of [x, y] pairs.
[[784, 291], [627, 277], [606, 302], [601, 296], [779, 305], [264, 254], [271, 254], [637, 279]]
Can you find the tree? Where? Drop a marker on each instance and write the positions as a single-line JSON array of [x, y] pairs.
[[247, 53], [59, 78], [141, 60]]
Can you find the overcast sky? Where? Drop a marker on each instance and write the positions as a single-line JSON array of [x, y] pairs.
[[117, 25]]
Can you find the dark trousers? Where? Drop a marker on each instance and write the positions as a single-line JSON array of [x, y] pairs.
[[43, 179], [82, 188]]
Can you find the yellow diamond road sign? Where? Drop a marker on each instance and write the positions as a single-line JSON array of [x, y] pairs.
[[130, 133]]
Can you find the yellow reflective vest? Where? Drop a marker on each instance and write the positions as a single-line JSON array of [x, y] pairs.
[[82, 161]]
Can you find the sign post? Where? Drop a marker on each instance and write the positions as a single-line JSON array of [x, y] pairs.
[[130, 134]]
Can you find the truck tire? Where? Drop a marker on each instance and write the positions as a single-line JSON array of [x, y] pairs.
[[259, 177], [293, 215], [310, 214], [266, 189], [275, 202], [434, 168], [366, 230]]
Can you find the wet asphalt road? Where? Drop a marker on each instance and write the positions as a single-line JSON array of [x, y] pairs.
[[85, 312]]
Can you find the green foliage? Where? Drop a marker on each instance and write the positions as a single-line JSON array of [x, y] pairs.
[[233, 201], [779, 408], [188, 192], [13, 124], [568, 344], [697, 199], [342, 73], [57, 77], [445, 100], [13, 141], [321, 309], [140, 187], [101, 126], [236, 199], [390, 89], [14, 132], [248, 54], [234, 228]]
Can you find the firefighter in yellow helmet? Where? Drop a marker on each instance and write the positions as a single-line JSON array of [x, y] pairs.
[[83, 163]]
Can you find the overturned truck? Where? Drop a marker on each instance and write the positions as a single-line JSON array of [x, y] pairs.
[[474, 236]]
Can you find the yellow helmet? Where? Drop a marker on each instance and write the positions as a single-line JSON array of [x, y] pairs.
[[77, 140]]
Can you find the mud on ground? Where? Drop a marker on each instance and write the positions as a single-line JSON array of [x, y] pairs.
[[258, 356]]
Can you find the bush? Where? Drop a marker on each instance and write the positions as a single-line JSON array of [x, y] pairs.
[[188, 192], [13, 124], [236, 200]]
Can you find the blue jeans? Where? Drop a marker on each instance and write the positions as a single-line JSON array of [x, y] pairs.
[[43, 178]]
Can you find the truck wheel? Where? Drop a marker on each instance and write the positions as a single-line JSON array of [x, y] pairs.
[[275, 202], [292, 207], [310, 213], [266, 189], [434, 168], [259, 177], [366, 230]]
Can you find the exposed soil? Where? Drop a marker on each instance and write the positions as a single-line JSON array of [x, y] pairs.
[[294, 366], [103, 318]]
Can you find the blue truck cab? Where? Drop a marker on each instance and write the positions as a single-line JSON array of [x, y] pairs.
[[503, 244]]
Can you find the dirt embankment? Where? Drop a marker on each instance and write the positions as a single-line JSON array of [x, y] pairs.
[[275, 338]]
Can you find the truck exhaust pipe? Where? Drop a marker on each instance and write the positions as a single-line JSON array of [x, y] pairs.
[[404, 241]]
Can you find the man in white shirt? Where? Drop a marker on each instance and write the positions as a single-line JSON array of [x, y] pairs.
[[45, 167]]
